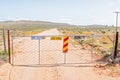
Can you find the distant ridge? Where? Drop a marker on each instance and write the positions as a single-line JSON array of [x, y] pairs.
[[28, 23]]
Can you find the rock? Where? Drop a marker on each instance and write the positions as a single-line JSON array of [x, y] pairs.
[[110, 60], [117, 60], [99, 65], [117, 65]]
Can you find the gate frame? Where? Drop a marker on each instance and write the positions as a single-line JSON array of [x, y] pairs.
[[92, 54], [9, 58]]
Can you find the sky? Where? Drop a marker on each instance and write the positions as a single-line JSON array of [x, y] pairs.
[[76, 12]]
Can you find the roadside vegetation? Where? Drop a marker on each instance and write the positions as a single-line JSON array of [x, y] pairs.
[[101, 41]]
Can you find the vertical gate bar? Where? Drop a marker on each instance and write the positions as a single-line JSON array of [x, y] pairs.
[[65, 38], [4, 42], [12, 52], [64, 58], [39, 50], [13, 34], [92, 48], [9, 47]]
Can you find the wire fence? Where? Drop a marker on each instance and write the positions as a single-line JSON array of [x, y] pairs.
[[3, 47], [25, 51], [48, 49]]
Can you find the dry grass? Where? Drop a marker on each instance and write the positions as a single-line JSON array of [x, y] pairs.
[[103, 43], [108, 70]]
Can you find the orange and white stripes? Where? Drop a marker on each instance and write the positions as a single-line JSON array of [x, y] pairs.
[[65, 44]]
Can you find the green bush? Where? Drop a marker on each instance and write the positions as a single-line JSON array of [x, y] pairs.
[[81, 41], [3, 56], [104, 42], [1, 52], [119, 45]]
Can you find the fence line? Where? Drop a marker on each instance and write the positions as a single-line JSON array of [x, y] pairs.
[[3, 49], [42, 49]]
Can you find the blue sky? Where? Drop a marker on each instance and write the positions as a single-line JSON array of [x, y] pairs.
[[79, 12]]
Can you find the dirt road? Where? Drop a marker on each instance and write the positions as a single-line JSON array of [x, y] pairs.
[[27, 54]]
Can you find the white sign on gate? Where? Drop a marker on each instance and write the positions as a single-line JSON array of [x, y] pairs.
[[36, 37]]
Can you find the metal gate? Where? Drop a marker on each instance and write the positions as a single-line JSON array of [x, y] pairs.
[[53, 49], [49, 49]]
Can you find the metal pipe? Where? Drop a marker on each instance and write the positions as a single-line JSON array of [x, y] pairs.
[[39, 50], [9, 59], [12, 53]]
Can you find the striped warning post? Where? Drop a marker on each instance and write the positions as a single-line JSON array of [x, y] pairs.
[[65, 44]]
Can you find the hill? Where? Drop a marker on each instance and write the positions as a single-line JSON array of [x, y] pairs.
[[35, 24]]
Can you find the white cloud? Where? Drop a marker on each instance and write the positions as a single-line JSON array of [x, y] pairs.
[[65, 19]]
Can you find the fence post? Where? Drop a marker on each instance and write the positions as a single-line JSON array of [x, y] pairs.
[[4, 42], [9, 58], [116, 46]]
